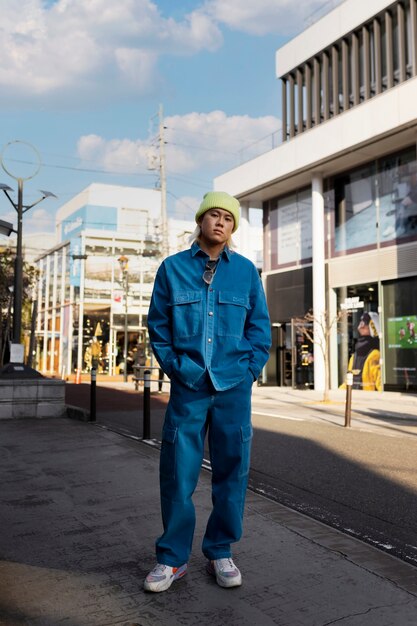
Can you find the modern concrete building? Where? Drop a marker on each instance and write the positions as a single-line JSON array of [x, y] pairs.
[[339, 193], [82, 289]]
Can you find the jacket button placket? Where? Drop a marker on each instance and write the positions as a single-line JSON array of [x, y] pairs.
[[210, 326]]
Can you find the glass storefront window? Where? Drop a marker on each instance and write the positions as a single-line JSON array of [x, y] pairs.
[[400, 306], [397, 190], [291, 228], [96, 337], [375, 204], [355, 210], [359, 336]]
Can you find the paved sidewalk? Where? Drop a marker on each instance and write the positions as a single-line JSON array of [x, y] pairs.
[[387, 412], [79, 512]]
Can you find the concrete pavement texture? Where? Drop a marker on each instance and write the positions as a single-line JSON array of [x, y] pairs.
[[79, 513], [386, 412], [360, 480]]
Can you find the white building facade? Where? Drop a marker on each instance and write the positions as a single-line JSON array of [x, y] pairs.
[[339, 195], [82, 289]]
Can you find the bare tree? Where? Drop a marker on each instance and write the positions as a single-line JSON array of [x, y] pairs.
[[326, 325]]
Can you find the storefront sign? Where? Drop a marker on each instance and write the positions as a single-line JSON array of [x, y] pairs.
[[352, 304]]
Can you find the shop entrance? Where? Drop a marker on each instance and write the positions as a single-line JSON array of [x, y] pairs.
[[293, 356], [303, 356], [359, 336], [283, 354]]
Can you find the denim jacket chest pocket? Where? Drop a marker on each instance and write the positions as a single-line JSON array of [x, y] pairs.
[[233, 308], [187, 313]]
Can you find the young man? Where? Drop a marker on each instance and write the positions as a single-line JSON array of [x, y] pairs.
[[210, 331]]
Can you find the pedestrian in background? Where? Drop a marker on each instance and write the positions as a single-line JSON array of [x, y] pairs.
[[210, 332]]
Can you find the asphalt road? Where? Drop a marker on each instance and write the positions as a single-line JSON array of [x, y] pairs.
[[362, 482]]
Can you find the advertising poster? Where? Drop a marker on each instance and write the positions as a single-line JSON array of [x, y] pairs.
[[402, 332]]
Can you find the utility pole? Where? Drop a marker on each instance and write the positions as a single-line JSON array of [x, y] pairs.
[[163, 183], [157, 162]]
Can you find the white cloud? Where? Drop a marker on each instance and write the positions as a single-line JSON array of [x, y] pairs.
[[87, 49], [198, 147], [91, 147], [283, 17], [38, 221], [35, 221], [213, 140], [115, 155], [206, 143], [186, 207], [138, 67], [93, 46]]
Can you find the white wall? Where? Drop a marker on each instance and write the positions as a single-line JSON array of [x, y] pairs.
[[342, 20], [118, 196], [380, 116]]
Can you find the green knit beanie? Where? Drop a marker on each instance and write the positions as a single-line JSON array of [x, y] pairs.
[[220, 200]]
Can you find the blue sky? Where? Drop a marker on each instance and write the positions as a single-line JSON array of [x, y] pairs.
[[82, 81]]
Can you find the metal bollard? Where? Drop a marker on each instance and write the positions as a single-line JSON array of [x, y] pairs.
[[147, 405], [93, 394], [348, 406]]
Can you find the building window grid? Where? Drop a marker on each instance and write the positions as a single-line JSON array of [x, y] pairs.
[[377, 56]]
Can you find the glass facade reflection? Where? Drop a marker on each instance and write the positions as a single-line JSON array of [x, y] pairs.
[[357, 341], [291, 228], [397, 190], [400, 307], [371, 206], [355, 210], [371, 212], [82, 281], [376, 204]]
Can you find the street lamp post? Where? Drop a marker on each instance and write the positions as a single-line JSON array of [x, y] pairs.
[[123, 261], [83, 259], [20, 209]]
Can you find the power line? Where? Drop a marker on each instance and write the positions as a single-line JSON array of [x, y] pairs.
[[84, 169], [202, 184], [95, 171], [201, 134], [72, 158], [183, 145], [187, 206]]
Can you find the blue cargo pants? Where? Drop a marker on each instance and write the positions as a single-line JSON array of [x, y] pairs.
[[226, 416]]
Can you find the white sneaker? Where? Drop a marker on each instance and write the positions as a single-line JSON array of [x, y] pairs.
[[225, 571], [162, 577]]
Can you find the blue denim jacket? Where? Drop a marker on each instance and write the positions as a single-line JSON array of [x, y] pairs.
[[222, 329]]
